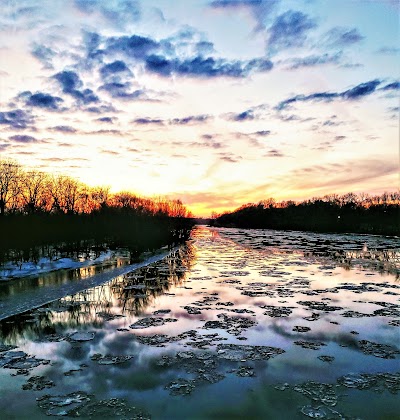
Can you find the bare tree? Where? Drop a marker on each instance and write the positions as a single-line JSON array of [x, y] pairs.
[[10, 172], [33, 191]]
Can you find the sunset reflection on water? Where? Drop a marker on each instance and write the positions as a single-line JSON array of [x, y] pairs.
[[212, 293]]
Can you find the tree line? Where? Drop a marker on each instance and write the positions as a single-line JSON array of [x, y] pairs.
[[361, 213], [32, 191], [38, 209]]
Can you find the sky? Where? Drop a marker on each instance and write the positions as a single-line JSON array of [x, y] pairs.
[[215, 102]]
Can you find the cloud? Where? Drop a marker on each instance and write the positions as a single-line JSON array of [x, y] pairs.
[[258, 9], [71, 83], [274, 153], [135, 46], [360, 90], [342, 176], [342, 37], [242, 116], [44, 54], [122, 91], [357, 92], [23, 139], [109, 120], [262, 133], [115, 68], [17, 119], [148, 121], [391, 86], [388, 50], [64, 129], [105, 132], [229, 159], [100, 109], [190, 119], [110, 152], [185, 53], [312, 60], [206, 67], [42, 100], [116, 12], [290, 30], [91, 41]]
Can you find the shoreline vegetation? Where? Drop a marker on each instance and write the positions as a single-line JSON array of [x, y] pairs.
[[42, 216], [56, 216], [348, 213]]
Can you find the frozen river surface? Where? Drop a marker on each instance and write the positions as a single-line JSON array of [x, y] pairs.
[[237, 324]]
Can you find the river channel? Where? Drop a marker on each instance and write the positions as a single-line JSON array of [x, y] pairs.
[[235, 324]]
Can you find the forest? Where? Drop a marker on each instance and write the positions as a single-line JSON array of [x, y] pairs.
[[353, 213], [38, 209]]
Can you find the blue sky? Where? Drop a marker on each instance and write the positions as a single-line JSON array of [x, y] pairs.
[[218, 103]]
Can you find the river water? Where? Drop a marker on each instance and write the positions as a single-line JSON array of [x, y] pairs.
[[236, 324]]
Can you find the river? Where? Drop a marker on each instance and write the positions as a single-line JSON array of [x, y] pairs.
[[235, 324]]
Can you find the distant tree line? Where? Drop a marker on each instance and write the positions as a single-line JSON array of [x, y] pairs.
[[361, 213], [38, 209]]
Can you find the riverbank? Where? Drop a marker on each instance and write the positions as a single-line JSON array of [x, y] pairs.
[[21, 295]]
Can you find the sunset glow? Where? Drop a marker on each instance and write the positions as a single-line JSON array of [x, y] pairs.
[[217, 103]]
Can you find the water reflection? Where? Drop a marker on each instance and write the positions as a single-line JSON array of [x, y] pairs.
[[222, 328], [21, 294], [126, 294]]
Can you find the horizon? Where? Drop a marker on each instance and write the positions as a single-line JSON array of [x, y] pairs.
[[216, 103]]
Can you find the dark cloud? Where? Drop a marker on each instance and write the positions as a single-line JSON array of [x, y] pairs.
[[42, 100], [262, 133], [91, 41], [109, 120], [190, 119], [357, 92], [290, 30], [332, 123], [44, 54], [206, 67], [23, 139], [313, 60], [360, 90], [69, 81], [392, 86], [105, 132], [17, 119], [183, 54], [100, 109], [242, 116], [342, 37], [64, 129], [148, 121], [135, 46], [71, 85], [122, 90], [204, 47], [116, 67]]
